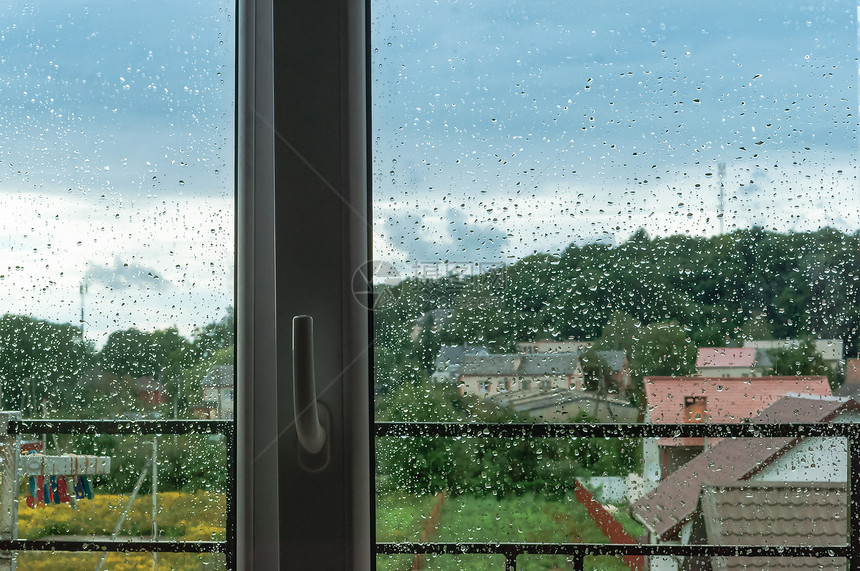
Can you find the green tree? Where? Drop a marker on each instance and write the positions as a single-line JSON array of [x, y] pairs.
[[131, 352], [428, 343], [662, 349], [40, 365], [803, 359], [423, 465], [162, 355], [757, 328], [215, 336], [619, 334], [597, 375]]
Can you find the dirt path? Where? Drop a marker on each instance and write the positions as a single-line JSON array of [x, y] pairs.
[[430, 525]]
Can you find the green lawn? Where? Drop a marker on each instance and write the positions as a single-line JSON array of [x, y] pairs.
[[485, 519], [400, 517]]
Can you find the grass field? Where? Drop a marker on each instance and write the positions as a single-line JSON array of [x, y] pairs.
[[486, 519]]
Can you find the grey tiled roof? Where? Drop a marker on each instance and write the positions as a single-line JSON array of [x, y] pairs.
[[534, 364], [550, 364], [518, 364], [849, 390], [499, 364], [770, 513], [453, 356]]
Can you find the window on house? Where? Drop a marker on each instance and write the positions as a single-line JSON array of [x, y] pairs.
[[695, 409]]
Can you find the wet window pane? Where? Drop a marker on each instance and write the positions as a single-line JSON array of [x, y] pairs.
[[603, 214], [116, 180]]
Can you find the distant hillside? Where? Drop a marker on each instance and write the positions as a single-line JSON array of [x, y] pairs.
[[752, 283]]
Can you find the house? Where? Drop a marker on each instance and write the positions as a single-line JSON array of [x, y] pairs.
[[710, 399], [493, 374], [728, 362], [566, 405], [218, 393], [616, 360], [549, 386], [150, 391], [851, 386], [619, 367], [852, 371], [830, 349], [673, 512], [446, 368], [489, 375]]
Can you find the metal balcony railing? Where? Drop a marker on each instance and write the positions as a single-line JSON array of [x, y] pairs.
[[578, 551], [136, 427]]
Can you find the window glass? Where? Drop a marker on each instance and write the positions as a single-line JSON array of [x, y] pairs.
[[637, 211], [116, 281]]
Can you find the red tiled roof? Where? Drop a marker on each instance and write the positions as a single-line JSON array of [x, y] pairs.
[[675, 499], [729, 399], [726, 357]]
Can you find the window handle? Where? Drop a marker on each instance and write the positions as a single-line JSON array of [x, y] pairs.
[[313, 438]]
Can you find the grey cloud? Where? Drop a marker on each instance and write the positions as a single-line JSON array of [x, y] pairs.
[[462, 240], [125, 275]]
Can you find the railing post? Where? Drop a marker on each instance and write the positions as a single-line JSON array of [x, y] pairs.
[[231, 491], [853, 499], [578, 561], [9, 451], [510, 561]]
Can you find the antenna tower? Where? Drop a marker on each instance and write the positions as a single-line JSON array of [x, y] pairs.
[[84, 289], [721, 170]]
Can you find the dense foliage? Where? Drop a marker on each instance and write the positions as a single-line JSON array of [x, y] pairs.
[[499, 466], [658, 299], [47, 370]]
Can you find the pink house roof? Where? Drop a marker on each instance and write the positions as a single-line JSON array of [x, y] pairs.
[[725, 357], [728, 399]]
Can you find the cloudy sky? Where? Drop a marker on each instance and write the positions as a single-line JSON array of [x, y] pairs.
[[500, 129], [116, 162], [505, 128]]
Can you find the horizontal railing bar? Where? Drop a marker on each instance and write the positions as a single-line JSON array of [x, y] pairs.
[[44, 426], [617, 549], [611, 430], [123, 545]]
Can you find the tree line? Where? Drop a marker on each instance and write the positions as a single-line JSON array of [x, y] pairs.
[[48, 371], [658, 299]]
